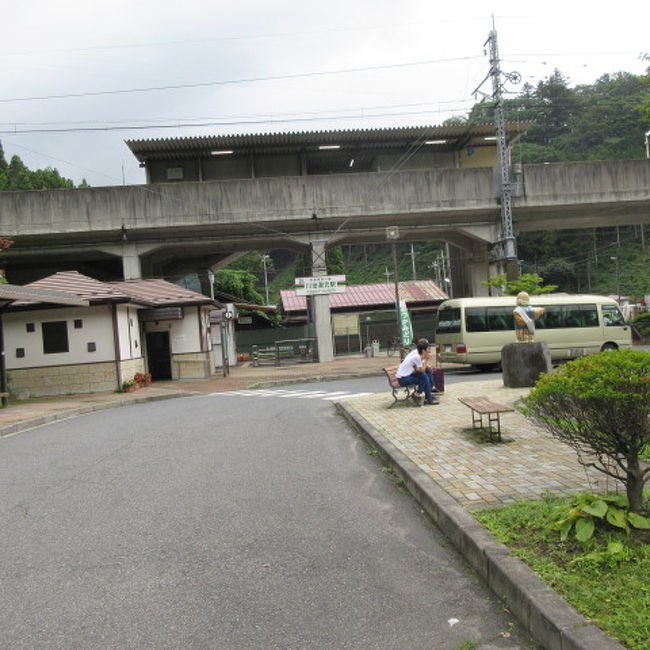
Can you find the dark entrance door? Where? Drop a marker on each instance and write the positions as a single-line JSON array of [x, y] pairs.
[[159, 356]]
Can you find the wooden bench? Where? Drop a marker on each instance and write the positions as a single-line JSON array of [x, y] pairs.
[[482, 405], [400, 393]]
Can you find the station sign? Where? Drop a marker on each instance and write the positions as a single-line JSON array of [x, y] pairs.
[[319, 285]]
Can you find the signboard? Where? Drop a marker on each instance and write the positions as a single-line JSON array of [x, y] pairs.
[[319, 285], [406, 329], [345, 324]]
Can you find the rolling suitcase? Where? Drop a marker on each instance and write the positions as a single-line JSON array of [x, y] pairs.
[[437, 379]]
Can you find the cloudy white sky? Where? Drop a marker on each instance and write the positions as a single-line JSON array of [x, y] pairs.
[[77, 75]]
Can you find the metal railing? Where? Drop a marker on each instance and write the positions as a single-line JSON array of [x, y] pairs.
[[288, 351]]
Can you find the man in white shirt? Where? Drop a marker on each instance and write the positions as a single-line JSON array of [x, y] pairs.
[[412, 371]]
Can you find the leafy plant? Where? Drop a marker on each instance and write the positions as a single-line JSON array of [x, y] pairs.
[[605, 579], [642, 323], [589, 510], [614, 554], [600, 406], [529, 282]]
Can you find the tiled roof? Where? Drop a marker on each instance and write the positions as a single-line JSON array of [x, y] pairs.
[[150, 293], [412, 292], [77, 284], [157, 293], [15, 293]]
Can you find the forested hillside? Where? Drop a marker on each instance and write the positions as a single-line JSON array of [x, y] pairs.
[[15, 175], [605, 120]]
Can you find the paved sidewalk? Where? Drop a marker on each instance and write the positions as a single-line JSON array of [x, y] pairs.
[[440, 440]]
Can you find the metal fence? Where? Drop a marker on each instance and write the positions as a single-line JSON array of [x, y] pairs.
[[288, 351]]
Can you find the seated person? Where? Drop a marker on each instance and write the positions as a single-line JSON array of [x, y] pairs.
[[412, 371]]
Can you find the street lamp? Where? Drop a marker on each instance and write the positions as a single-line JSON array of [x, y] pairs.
[[392, 235], [368, 321], [265, 259], [618, 280]]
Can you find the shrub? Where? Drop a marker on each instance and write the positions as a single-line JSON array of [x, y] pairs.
[[600, 406], [642, 323]]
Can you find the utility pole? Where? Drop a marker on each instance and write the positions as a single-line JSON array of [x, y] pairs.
[[392, 235], [507, 245], [413, 254], [265, 259]]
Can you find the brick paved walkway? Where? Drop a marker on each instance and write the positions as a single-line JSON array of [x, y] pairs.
[[477, 473]]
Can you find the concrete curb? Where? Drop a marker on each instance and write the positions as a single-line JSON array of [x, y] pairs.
[[548, 618], [31, 423]]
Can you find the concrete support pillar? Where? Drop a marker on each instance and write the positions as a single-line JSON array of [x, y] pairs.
[[320, 305], [206, 278], [131, 267], [475, 269]]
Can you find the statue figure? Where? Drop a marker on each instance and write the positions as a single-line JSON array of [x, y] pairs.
[[525, 317]]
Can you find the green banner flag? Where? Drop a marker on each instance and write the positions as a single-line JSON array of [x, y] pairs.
[[406, 329]]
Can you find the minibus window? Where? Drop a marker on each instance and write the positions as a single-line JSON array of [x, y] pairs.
[[612, 315], [448, 321], [500, 319], [475, 319]]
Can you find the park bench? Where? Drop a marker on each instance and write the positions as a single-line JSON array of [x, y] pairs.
[[482, 405], [400, 393]]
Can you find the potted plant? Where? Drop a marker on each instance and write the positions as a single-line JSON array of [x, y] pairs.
[[129, 385], [142, 379]]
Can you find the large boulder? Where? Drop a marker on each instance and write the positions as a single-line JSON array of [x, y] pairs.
[[522, 363]]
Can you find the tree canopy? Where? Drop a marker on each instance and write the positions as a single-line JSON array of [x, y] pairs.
[[15, 175]]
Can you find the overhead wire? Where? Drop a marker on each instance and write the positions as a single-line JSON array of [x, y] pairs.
[[227, 82]]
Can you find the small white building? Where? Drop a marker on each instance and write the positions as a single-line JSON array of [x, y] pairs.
[[128, 327]]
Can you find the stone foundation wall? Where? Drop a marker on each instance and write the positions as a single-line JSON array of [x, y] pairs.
[[130, 366], [193, 365], [63, 380]]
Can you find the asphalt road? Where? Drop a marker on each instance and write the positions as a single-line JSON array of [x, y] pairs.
[[225, 521]]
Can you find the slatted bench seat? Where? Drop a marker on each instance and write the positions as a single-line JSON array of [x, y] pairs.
[[482, 405], [400, 393]]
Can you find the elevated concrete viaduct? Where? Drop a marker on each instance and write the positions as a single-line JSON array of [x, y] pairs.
[[171, 229]]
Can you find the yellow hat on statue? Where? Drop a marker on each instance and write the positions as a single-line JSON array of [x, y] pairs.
[[523, 299]]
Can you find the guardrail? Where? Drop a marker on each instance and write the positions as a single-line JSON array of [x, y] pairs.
[[288, 351]]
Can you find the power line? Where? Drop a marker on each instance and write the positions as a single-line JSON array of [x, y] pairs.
[[270, 116], [180, 125], [226, 82]]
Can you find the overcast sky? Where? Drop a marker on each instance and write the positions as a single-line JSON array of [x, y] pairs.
[[268, 66]]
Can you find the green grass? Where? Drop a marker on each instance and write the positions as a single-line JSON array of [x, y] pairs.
[[614, 594]]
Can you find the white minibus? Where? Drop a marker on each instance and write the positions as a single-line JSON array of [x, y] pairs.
[[473, 330]]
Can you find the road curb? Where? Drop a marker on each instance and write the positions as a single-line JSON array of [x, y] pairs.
[[548, 618], [31, 423]]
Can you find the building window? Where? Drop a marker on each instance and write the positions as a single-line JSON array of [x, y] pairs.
[[174, 173], [30, 327], [55, 337], [78, 323], [20, 353], [92, 347]]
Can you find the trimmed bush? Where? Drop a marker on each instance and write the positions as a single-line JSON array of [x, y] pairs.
[[600, 406]]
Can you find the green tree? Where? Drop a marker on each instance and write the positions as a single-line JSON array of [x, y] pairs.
[[238, 283], [15, 175], [529, 282], [335, 261], [600, 406]]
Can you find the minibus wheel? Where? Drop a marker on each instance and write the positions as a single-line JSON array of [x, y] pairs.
[[608, 347]]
